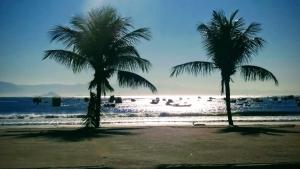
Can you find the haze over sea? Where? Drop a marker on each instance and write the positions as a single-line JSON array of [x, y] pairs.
[[139, 111]]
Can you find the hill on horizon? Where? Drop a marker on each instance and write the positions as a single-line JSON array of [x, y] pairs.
[[10, 89]]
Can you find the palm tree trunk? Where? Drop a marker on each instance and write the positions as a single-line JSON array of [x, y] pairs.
[[227, 91], [98, 106]]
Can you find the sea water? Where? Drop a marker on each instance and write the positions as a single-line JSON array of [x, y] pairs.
[[139, 111]]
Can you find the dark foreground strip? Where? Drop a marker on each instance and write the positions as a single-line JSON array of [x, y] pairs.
[[232, 166], [194, 166]]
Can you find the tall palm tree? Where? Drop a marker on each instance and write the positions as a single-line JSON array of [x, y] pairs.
[[103, 42], [229, 44]]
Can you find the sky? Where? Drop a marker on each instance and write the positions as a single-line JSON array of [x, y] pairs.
[[24, 38]]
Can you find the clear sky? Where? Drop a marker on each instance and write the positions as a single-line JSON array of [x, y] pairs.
[[25, 24]]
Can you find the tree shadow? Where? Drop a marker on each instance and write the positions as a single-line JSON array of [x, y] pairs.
[[233, 166], [75, 167], [255, 131], [72, 135]]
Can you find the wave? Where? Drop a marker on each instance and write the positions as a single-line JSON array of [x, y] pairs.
[[162, 114], [39, 116], [151, 121]]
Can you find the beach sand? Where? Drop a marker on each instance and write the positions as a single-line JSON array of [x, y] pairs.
[[151, 147]]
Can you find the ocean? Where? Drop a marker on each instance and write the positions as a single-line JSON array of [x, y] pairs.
[[152, 111]]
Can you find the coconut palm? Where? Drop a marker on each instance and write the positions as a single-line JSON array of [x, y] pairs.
[[230, 44], [103, 42]]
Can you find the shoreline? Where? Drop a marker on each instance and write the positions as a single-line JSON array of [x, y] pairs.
[[153, 121], [124, 125], [142, 124]]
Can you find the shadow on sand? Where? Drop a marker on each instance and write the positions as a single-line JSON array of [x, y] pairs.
[[233, 166], [255, 131], [72, 135], [73, 167]]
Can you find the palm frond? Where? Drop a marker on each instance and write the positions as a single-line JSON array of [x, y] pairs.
[[68, 58], [124, 50], [252, 29], [239, 24], [203, 29], [252, 73], [246, 47], [107, 86], [232, 16], [79, 23], [106, 14], [92, 84], [131, 63], [129, 79], [136, 36], [218, 18], [65, 35], [102, 80], [193, 68], [222, 86]]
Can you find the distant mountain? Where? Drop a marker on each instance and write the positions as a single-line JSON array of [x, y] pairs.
[[50, 94], [11, 89], [6, 88]]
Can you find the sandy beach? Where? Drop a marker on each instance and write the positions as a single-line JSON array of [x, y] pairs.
[[151, 147]]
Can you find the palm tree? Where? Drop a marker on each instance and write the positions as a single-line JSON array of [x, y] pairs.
[[229, 44], [103, 42]]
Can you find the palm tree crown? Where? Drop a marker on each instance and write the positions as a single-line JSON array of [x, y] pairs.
[[230, 44], [104, 42]]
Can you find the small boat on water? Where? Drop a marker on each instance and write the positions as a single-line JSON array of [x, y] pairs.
[[258, 100], [169, 102], [181, 105], [242, 99], [155, 101], [209, 100], [113, 99]]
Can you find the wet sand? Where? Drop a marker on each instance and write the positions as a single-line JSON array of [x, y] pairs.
[[151, 147]]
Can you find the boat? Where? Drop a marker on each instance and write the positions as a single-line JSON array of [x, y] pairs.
[[181, 105], [169, 102], [155, 101]]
